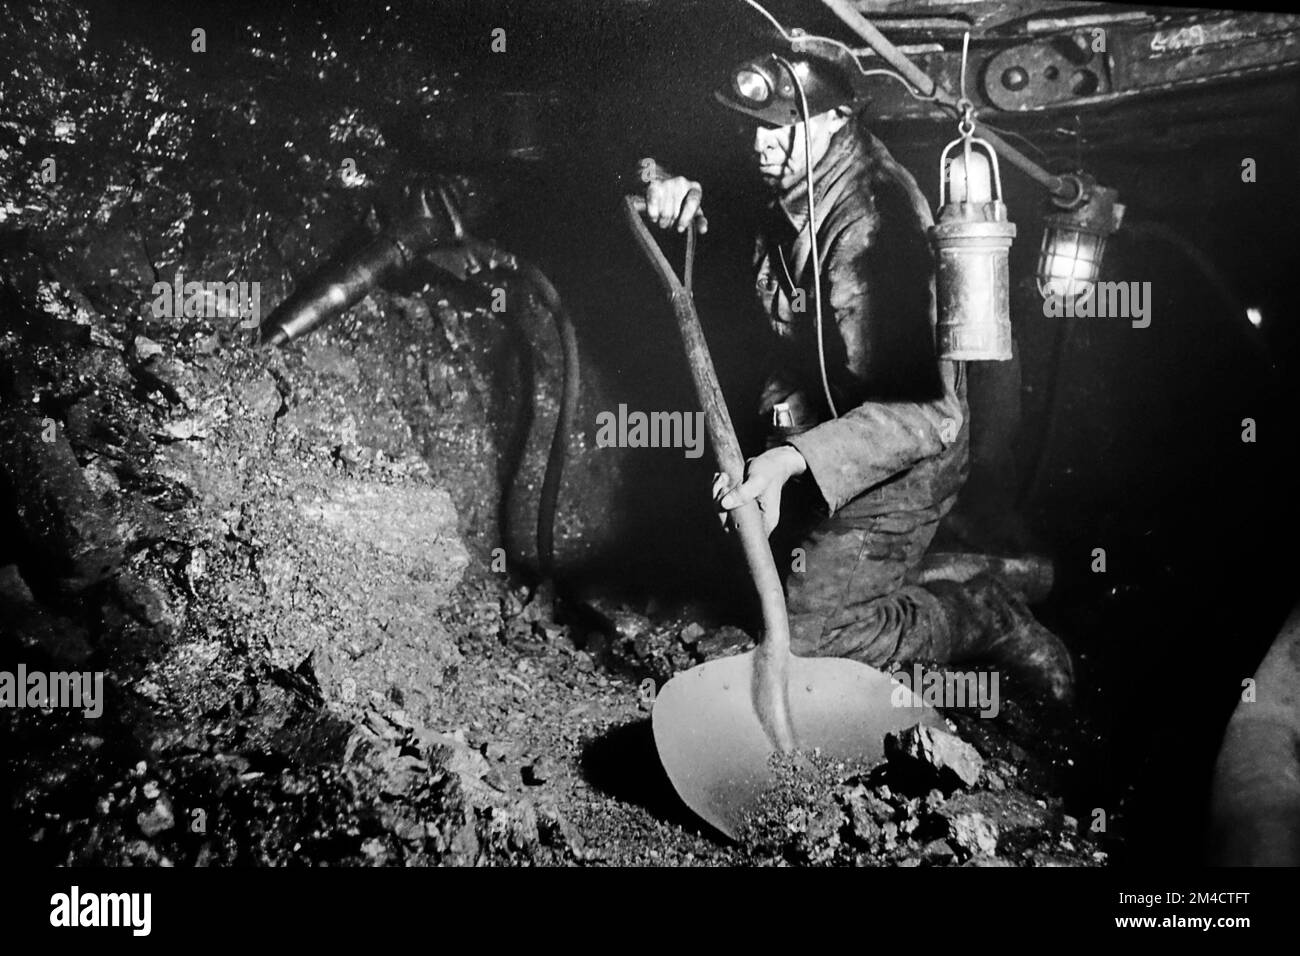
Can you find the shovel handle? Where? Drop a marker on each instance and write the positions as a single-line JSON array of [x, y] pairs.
[[771, 659], [698, 224]]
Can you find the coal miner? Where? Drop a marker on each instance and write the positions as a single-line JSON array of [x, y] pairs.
[[869, 429]]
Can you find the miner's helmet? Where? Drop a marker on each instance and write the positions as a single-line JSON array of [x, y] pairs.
[[761, 87]]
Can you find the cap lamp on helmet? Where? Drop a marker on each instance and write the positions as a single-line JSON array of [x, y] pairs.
[[761, 87]]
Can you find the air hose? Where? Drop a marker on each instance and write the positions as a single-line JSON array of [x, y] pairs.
[[341, 284], [555, 461]]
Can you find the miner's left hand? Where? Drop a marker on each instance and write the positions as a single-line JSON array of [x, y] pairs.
[[765, 477]]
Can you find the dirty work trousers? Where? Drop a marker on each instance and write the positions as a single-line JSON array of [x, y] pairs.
[[852, 593]]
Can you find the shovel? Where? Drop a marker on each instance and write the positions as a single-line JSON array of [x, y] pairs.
[[717, 726]]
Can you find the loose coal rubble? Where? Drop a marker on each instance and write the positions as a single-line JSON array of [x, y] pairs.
[[632, 643], [934, 802]]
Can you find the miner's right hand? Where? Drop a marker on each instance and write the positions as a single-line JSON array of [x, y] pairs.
[[674, 201]]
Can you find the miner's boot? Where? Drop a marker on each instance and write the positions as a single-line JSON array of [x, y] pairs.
[[987, 622], [1029, 576], [938, 622]]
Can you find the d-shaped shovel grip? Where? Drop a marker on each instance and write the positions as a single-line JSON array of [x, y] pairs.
[[772, 657]]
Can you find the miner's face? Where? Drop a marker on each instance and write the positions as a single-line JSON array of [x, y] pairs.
[[779, 151]]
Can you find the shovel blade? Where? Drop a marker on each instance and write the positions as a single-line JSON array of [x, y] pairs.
[[716, 753]]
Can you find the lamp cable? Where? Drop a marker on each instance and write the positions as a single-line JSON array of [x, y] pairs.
[[812, 234]]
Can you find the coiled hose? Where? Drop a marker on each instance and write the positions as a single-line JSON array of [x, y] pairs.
[[339, 285]]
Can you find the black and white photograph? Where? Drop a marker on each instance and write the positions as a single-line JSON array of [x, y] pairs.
[[465, 437]]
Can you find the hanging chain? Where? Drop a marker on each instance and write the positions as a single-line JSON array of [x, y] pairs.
[[966, 125]]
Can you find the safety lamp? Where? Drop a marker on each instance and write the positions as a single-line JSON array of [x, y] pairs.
[[972, 241], [975, 186], [1074, 239]]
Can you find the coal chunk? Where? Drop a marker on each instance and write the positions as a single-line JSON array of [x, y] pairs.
[[928, 752]]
